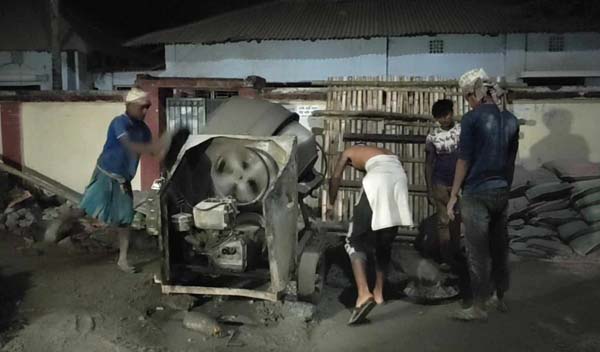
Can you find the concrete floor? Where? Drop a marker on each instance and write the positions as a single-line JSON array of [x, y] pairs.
[[554, 307], [60, 300]]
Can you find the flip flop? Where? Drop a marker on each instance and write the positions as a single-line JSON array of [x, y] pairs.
[[360, 313]]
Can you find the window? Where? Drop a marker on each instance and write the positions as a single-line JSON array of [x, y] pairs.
[[556, 43], [436, 46]]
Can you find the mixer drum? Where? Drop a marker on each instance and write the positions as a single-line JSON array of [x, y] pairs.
[[260, 118], [244, 173]]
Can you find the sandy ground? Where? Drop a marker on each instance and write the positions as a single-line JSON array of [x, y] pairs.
[[60, 299]]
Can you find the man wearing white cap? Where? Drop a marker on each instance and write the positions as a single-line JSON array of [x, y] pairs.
[[489, 141], [108, 197]]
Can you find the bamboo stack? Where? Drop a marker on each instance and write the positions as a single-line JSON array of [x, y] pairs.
[[398, 106]]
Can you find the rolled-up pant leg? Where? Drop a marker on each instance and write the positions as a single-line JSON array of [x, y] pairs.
[[383, 247], [357, 241], [449, 236], [441, 196]]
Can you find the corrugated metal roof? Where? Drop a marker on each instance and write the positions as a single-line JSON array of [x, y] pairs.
[[330, 19]]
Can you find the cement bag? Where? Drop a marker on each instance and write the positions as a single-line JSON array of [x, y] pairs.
[[570, 230], [584, 188], [548, 191], [591, 214], [588, 201], [572, 170]]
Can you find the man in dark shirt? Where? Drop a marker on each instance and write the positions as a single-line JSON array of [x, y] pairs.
[[441, 149], [487, 150]]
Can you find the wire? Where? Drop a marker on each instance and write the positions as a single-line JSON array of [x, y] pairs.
[[324, 158], [212, 207]]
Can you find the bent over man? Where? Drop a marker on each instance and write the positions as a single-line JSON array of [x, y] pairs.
[[382, 207]]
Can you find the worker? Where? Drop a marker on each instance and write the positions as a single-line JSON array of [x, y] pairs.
[[382, 207], [441, 148], [488, 147], [109, 197]]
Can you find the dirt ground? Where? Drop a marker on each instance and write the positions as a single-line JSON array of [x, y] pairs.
[[61, 299]]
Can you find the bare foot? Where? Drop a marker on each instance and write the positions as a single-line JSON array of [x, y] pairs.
[[362, 299], [378, 296], [470, 314], [125, 267], [499, 304]]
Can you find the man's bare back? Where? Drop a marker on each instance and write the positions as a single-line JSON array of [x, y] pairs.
[[357, 156]]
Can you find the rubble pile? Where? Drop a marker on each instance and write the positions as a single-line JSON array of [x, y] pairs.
[[28, 213], [19, 210], [555, 211]]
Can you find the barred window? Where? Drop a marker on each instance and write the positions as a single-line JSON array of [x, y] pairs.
[[436, 46], [556, 43]]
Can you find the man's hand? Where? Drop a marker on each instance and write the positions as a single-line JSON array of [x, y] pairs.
[[430, 198], [157, 149], [329, 213], [161, 151], [451, 205]]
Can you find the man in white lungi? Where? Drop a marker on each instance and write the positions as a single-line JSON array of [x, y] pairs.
[[382, 207]]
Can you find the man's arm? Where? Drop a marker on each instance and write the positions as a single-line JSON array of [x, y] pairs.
[[462, 166], [430, 158], [153, 147], [466, 146], [119, 126], [512, 157], [336, 178]]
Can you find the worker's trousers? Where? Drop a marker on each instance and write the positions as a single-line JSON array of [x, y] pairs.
[[485, 220]]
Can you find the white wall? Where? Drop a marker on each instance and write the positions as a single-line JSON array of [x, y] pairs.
[[558, 129], [502, 55], [278, 61], [35, 69], [582, 52], [63, 140], [410, 56]]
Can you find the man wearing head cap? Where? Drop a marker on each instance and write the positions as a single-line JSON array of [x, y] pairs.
[[108, 197], [487, 151]]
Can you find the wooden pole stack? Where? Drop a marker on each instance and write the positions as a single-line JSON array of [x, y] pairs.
[[392, 113]]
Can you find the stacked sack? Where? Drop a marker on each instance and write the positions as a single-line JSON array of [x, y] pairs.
[[555, 210]]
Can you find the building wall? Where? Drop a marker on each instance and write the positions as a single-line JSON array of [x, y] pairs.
[[561, 129], [294, 61], [290, 61], [1, 148], [63, 141], [35, 69], [119, 80], [279, 61], [410, 56], [24, 68], [582, 52]]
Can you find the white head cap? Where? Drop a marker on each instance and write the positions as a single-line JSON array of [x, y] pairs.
[[470, 79], [136, 95]]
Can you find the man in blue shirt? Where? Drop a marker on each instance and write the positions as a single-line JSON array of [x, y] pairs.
[[109, 197], [488, 147]]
